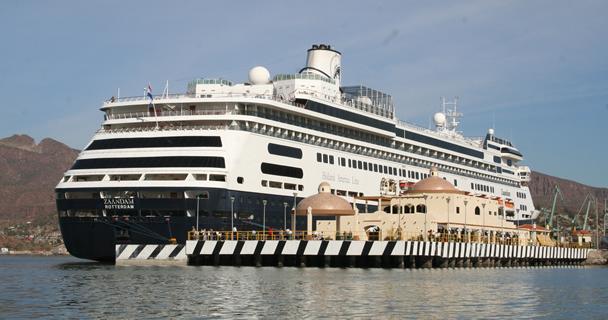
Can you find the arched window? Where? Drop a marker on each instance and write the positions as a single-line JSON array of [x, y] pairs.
[[477, 211], [395, 209], [420, 208]]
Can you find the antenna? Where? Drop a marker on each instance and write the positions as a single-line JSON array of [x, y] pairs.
[[452, 116], [166, 91]]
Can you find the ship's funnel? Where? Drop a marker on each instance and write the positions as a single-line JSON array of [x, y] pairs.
[[325, 61]]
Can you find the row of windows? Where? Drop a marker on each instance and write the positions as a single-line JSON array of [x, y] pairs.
[[521, 195], [280, 170], [325, 158], [481, 187], [368, 166], [438, 143], [350, 116], [493, 147], [478, 212], [523, 207], [284, 151], [150, 162], [147, 177], [164, 142], [122, 213], [353, 134], [511, 151], [316, 125], [409, 208], [281, 185]]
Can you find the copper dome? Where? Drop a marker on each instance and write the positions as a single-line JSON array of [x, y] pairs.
[[434, 183], [324, 200]]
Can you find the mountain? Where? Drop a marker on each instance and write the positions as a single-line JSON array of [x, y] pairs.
[[574, 193], [30, 173]]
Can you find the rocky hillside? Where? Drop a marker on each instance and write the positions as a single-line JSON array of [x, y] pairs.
[[541, 186], [29, 175], [574, 193]]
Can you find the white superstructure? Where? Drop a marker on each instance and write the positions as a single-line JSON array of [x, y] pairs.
[[270, 138]]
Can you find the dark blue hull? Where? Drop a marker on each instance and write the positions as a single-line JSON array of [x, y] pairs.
[[156, 221]]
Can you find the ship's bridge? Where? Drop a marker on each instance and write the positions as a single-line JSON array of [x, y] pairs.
[[506, 148]]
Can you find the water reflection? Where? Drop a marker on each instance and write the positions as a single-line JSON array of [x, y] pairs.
[[60, 288]]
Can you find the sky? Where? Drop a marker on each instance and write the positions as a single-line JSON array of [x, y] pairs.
[[534, 71]]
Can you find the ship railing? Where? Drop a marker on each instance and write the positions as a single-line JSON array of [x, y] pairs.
[[167, 98], [473, 141], [160, 99], [169, 113], [161, 128], [381, 235]]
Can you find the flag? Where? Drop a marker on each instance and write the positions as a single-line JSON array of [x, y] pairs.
[[150, 95]]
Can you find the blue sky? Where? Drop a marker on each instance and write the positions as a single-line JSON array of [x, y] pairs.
[[536, 71]]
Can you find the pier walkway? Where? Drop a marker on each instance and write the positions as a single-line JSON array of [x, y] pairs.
[[347, 251]]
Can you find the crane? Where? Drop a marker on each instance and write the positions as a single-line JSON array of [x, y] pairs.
[[590, 200], [553, 194]]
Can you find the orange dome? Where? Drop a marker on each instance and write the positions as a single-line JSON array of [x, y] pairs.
[[433, 183]]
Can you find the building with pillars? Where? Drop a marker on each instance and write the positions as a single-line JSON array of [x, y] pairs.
[[433, 205]]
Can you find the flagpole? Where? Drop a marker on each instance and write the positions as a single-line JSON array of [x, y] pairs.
[[152, 103]]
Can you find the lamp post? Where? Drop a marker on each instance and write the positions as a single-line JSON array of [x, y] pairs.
[[293, 221], [284, 216], [231, 218], [466, 232], [518, 221], [400, 209], [448, 200], [198, 197], [425, 197], [483, 213], [264, 220], [502, 221]]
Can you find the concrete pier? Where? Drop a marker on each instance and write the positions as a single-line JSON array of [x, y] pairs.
[[345, 254], [348, 254]]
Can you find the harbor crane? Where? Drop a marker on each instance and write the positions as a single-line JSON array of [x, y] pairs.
[[553, 194], [590, 200]]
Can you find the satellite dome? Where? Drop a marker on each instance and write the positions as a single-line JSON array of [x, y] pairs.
[[491, 131], [259, 75], [439, 119]]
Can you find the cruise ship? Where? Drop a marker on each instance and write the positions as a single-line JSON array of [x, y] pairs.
[[227, 155]]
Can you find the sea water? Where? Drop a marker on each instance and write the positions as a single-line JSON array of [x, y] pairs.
[[56, 287]]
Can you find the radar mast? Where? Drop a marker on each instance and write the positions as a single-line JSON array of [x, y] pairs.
[[452, 116]]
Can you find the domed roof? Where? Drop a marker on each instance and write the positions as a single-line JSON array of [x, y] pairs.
[[259, 75], [324, 200], [433, 182]]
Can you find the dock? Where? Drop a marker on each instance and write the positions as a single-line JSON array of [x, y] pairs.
[[348, 254]]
